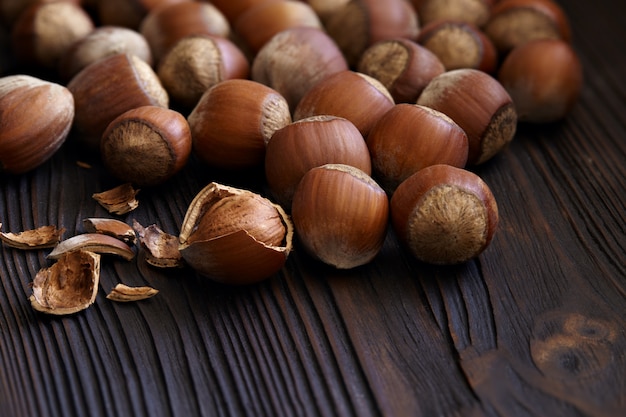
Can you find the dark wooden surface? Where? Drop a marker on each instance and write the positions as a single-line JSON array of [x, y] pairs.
[[534, 327]]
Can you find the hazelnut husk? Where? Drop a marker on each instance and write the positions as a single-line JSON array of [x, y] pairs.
[[444, 214], [24, 145], [235, 236], [340, 215]]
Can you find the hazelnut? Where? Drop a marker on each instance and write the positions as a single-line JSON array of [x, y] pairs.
[[444, 214], [326, 8], [196, 63], [146, 145], [544, 78], [233, 9], [259, 23], [44, 31], [164, 26], [410, 137], [36, 118], [109, 87], [340, 215], [102, 42], [479, 104], [235, 236], [279, 63], [10, 10], [127, 13], [459, 45], [234, 120], [296, 148], [476, 12], [354, 96], [361, 23], [403, 66], [515, 22]]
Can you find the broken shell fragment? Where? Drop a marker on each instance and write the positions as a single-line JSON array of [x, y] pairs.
[[235, 236], [118, 200], [124, 293], [161, 249], [93, 242], [111, 227], [41, 237], [69, 285]]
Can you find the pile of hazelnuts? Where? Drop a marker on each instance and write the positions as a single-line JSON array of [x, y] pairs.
[[361, 113]]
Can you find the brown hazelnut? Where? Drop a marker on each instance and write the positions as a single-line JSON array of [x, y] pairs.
[[444, 214], [44, 31], [259, 23], [479, 104], [476, 12], [296, 59], [354, 96], [235, 236], [515, 22], [410, 137], [296, 148], [403, 66], [146, 145], [127, 13], [544, 78], [10, 10], [164, 26], [102, 42], [233, 9], [361, 23], [340, 215], [109, 87], [234, 120], [36, 118], [196, 63], [459, 45], [326, 8]]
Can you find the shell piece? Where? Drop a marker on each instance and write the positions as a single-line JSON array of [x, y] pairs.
[[246, 239], [161, 248], [111, 227], [93, 242], [69, 285], [118, 200], [124, 293], [41, 237]]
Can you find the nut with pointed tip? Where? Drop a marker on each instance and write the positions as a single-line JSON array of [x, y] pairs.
[[361, 23], [444, 214], [479, 104], [146, 145], [411, 137], [476, 12], [24, 144], [515, 22], [403, 66], [196, 63], [109, 87], [354, 96], [340, 215], [544, 78], [234, 120], [235, 236], [318, 140]]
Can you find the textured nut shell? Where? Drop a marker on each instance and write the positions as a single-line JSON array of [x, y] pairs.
[[68, 286], [410, 137], [146, 145], [234, 120], [476, 12], [280, 62], [403, 66], [348, 94], [308, 143], [35, 120], [236, 257], [444, 215], [340, 215], [544, 78], [109, 87], [479, 104]]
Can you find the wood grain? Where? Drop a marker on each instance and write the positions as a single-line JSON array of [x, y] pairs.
[[534, 327]]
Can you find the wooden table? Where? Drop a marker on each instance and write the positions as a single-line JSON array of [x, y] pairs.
[[534, 327]]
